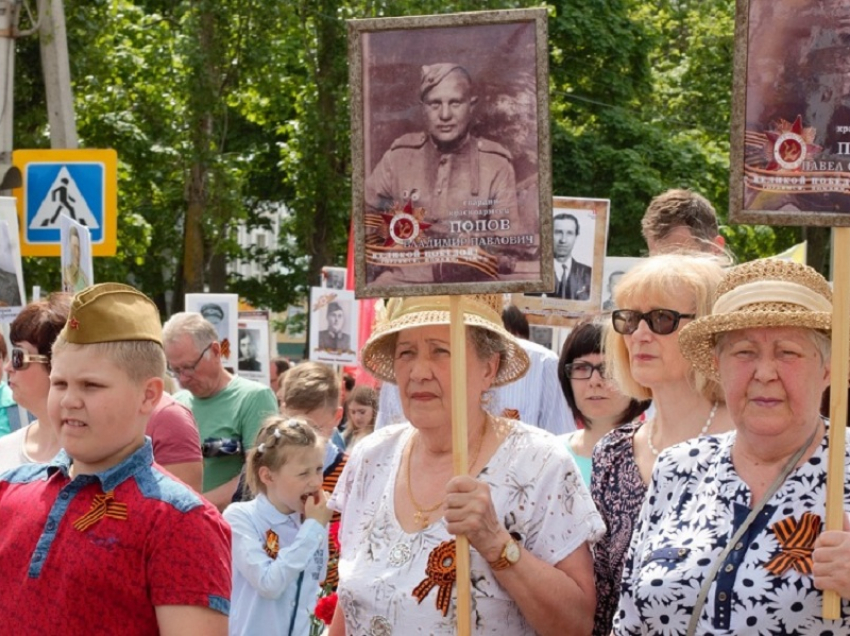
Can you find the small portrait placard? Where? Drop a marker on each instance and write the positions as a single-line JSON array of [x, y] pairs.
[[333, 326]]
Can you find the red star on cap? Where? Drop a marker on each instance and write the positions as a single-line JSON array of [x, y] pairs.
[[74, 323]]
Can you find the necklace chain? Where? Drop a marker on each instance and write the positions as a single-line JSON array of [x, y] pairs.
[[422, 514], [650, 429]]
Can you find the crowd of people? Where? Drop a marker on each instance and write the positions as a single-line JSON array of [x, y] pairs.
[[665, 474]]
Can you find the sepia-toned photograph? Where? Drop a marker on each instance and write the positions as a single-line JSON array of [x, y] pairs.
[[77, 266], [451, 153], [791, 113]]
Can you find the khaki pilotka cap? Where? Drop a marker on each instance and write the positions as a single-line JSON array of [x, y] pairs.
[[112, 312], [433, 75]]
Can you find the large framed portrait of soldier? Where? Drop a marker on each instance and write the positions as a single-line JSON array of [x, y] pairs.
[[451, 153], [791, 113]]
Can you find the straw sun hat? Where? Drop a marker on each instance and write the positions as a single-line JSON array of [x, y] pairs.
[[762, 293], [483, 310]]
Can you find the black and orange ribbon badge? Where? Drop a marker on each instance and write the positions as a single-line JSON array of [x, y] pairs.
[[103, 505], [272, 546], [441, 572], [798, 542]]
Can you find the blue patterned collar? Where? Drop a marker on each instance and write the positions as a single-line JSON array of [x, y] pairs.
[[111, 477]]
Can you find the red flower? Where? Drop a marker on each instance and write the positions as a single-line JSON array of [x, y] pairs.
[[333, 531], [325, 608]]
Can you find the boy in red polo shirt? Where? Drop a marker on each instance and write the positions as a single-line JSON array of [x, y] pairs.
[[101, 540]]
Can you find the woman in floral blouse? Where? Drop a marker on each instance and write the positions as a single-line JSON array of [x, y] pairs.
[[730, 538], [527, 514], [658, 297]]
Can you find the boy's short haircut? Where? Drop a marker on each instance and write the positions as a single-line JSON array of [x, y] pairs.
[[309, 386], [118, 321], [679, 208], [139, 359]]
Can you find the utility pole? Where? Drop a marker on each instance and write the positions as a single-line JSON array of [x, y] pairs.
[[53, 40], [10, 177]]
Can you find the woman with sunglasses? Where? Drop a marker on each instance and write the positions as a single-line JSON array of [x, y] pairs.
[[32, 334], [595, 401], [657, 297]]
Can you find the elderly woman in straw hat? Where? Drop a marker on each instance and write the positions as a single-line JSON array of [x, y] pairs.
[[658, 297], [528, 516], [729, 540]]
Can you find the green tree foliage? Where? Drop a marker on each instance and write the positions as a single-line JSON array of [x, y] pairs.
[[223, 112]]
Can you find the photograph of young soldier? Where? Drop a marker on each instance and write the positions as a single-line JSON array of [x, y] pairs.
[[449, 157], [248, 350], [334, 338]]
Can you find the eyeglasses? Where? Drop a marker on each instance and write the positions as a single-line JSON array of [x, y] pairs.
[[189, 369], [584, 370], [659, 321], [22, 359]]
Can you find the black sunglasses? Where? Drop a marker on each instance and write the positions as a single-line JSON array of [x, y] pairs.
[[584, 370], [22, 359], [659, 321]]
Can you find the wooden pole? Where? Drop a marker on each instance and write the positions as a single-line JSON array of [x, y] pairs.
[[460, 456], [838, 398]]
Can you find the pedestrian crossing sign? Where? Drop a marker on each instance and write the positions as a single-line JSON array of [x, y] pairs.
[[79, 183]]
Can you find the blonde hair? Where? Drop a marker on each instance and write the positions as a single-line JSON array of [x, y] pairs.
[[277, 435], [309, 386], [141, 360], [665, 278]]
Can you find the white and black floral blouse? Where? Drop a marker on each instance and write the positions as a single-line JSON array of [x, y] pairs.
[[695, 503]]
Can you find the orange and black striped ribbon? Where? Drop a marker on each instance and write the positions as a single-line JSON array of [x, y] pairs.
[[272, 546], [798, 542], [441, 572], [103, 505]]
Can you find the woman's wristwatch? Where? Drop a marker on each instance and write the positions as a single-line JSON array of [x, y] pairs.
[[510, 555]]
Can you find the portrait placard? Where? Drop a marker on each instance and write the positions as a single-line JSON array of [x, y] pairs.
[[77, 266], [451, 153], [579, 239], [333, 277], [12, 292], [614, 269], [253, 335], [222, 311], [790, 154], [333, 326]]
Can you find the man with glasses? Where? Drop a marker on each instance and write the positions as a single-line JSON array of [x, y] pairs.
[[229, 409]]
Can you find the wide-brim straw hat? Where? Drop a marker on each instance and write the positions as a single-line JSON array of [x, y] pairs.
[[762, 293], [482, 310]]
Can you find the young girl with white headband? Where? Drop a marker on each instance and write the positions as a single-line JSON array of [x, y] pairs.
[[280, 542]]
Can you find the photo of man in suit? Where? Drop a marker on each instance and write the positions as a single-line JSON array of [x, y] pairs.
[[573, 279]]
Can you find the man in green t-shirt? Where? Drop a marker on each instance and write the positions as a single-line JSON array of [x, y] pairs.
[[229, 409]]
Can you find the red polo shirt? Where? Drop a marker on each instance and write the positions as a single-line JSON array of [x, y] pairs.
[[76, 561]]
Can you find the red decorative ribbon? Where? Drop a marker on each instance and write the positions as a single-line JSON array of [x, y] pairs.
[[272, 546], [798, 541], [103, 505], [441, 572], [511, 414]]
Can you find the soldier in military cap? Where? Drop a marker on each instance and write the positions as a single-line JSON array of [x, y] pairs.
[[115, 542], [444, 174]]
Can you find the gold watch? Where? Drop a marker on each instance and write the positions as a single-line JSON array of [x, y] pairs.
[[510, 555]]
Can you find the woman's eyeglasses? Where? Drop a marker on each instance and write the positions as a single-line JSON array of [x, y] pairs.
[[659, 321], [584, 370], [22, 359]]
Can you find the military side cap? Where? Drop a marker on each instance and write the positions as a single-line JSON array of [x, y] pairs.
[[434, 74], [112, 312]]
